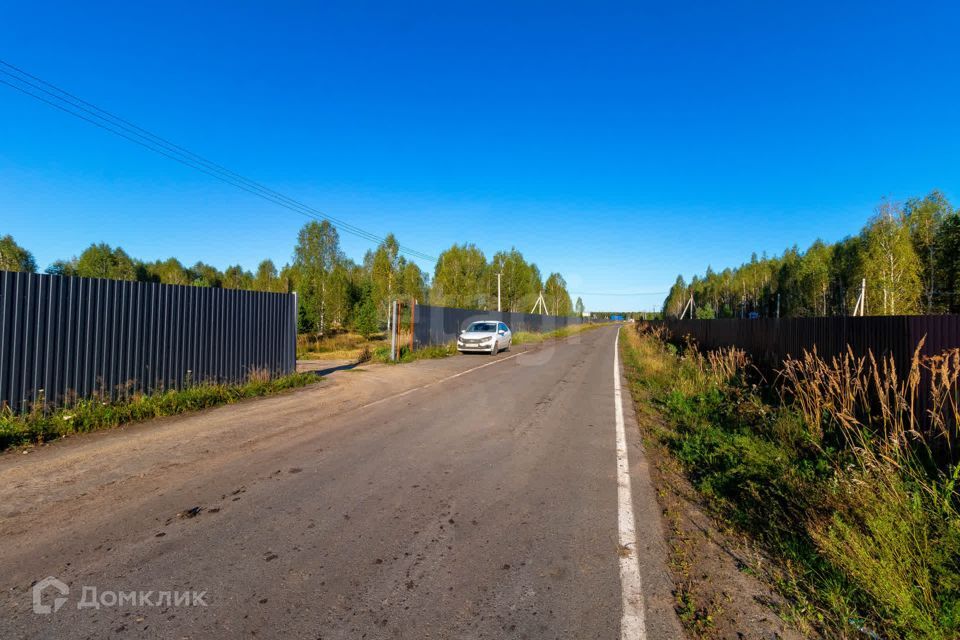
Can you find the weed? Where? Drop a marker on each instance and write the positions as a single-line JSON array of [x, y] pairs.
[[835, 472], [92, 414]]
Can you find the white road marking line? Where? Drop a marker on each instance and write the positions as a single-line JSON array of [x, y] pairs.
[[436, 382], [632, 623]]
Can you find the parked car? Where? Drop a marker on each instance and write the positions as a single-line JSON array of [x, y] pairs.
[[485, 336]]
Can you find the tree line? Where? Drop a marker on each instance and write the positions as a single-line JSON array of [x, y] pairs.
[[907, 254], [335, 292]]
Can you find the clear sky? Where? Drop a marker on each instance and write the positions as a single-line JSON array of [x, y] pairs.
[[617, 143]]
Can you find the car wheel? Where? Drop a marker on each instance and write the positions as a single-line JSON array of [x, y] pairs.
[[495, 349]]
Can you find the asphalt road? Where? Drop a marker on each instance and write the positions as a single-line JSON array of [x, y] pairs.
[[440, 500]]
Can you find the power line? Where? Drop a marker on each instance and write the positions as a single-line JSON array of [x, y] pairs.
[[58, 98]]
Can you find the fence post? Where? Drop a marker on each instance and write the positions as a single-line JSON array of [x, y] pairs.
[[296, 318], [393, 332]]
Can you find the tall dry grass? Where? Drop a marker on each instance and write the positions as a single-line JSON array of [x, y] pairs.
[[878, 412], [844, 468]]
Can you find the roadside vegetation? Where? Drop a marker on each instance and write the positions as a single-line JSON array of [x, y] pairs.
[[830, 470], [338, 345], [527, 337], [92, 414]]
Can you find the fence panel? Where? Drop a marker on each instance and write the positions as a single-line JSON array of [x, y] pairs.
[[770, 341], [63, 338], [440, 325]]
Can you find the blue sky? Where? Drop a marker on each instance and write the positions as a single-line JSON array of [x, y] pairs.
[[617, 143]]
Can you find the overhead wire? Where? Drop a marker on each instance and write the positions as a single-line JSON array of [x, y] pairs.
[[64, 101]]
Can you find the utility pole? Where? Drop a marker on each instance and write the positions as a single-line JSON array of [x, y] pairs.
[[498, 290], [778, 304], [539, 304], [860, 308], [393, 333]]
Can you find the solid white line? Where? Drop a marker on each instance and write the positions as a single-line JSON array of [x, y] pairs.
[[632, 623], [436, 382]]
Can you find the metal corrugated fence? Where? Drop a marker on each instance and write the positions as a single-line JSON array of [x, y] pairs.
[[771, 340], [63, 338], [440, 325]]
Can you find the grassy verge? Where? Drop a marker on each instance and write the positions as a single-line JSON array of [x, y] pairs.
[[342, 345], [860, 521], [430, 352], [527, 337], [93, 414]]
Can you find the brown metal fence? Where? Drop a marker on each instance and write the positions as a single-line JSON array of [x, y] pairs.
[[63, 338], [769, 341]]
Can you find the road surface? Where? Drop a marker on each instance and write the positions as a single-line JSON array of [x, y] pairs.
[[470, 497]]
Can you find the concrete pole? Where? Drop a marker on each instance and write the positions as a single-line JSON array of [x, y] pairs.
[[498, 291], [393, 333]]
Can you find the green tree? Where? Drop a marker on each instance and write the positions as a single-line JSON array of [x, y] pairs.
[[205, 275], [266, 278], [385, 272], [948, 261], [705, 312], [890, 263], [100, 261], [676, 300], [413, 282], [13, 257], [62, 268], [924, 218], [236, 278], [169, 271], [556, 296], [578, 307], [458, 278], [315, 256], [340, 299], [520, 283], [367, 321]]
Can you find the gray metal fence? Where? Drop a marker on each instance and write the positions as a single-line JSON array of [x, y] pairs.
[[63, 338], [439, 325]]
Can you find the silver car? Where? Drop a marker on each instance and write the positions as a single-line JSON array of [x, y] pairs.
[[485, 336]]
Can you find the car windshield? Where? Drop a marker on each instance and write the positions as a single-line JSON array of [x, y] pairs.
[[483, 326]]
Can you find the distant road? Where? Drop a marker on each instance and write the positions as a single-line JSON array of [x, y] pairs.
[[469, 497]]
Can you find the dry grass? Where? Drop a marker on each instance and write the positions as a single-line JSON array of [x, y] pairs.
[[875, 409], [839, 469], [527, 337], [343, 345]]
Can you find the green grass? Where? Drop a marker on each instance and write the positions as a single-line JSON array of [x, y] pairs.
[[430, 352], [337, 345], [856, 550], [94, 414], [528, 337]]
